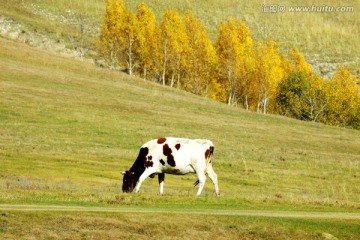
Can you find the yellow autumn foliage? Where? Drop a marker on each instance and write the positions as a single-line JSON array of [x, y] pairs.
[[177, 51], [343, 98]]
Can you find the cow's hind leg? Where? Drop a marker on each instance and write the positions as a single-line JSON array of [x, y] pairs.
[[161, 178], [212, 175], [202, 180]]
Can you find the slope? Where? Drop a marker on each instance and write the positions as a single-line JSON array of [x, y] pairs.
[[67, 129]]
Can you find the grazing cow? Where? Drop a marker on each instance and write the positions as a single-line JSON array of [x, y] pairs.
[[177, 156]]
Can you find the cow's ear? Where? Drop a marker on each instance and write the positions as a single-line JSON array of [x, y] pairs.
[[123, 173]]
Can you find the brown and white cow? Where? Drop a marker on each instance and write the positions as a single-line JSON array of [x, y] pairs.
[[177, 156]]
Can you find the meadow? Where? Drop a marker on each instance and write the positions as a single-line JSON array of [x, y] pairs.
[[68, 129]]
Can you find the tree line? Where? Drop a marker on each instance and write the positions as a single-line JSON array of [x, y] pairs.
[[177, 51]]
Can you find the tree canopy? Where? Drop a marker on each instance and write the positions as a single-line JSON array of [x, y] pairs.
[[177, 51]]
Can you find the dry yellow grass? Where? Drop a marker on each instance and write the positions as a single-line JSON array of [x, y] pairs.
[[328, 39], [67, 225]]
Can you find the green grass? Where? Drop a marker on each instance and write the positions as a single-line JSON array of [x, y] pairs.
[[67, 130], [66, 125]]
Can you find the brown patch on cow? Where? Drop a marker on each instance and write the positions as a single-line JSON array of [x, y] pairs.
[[148, 162], [168, 153], [211, 150], [162, 162], [161, 140], [207, 153], [177, 146]]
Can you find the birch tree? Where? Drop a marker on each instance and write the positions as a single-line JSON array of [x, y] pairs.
[[232, 46], [129, 33], [146, 42], [269, 73], [174, 44], [201, 57], [343, 99], [302, 96], [110, 36], [298, 62]]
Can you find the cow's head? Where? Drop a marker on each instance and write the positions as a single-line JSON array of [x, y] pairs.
[[129, 181]]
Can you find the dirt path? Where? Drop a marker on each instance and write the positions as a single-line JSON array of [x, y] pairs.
[[255, 213]]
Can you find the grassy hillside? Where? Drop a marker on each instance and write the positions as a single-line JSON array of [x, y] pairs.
[[67, 129], [328, 39], [65, 125]]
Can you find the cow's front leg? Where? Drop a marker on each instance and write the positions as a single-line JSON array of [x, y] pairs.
[[161, 178], [142, 178]]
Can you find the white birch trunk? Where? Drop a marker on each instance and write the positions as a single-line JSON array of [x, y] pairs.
[[172, 80], [164, 65], [130, 65]]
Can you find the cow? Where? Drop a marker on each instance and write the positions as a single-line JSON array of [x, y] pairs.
[[170, 155]]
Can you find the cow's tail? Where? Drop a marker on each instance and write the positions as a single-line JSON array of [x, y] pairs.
[[196, 183]]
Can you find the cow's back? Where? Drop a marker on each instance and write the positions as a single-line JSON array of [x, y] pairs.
[[179, 153], [191, 151]]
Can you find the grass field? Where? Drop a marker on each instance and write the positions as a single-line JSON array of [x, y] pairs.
[[67, 130], [115, 223]]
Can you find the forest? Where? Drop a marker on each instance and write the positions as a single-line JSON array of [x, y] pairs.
[[234, 68]]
